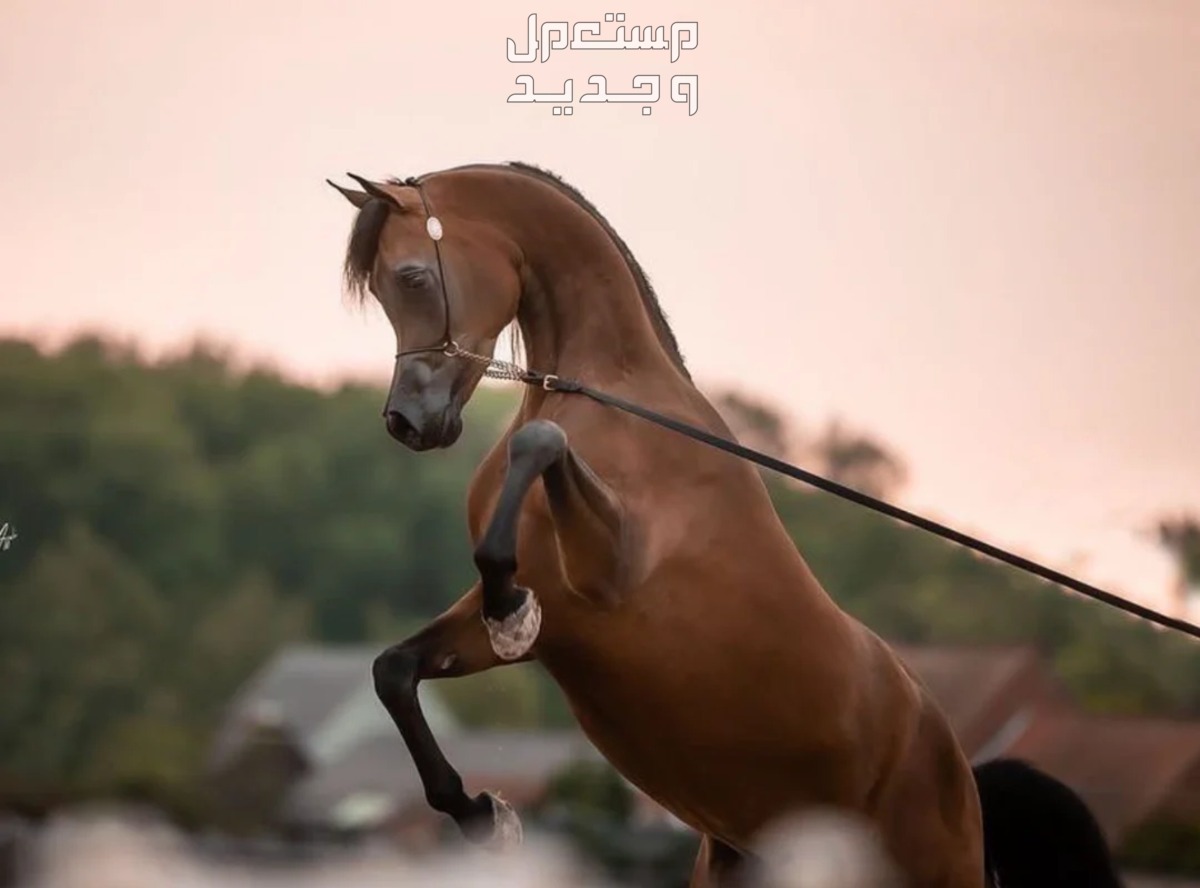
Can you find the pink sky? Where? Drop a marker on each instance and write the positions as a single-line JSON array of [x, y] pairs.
[[971, 227]]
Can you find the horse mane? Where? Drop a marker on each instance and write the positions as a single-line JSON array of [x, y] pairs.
[[368, 225], [645, 289]]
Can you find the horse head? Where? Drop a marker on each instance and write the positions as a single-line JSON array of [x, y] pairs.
[[449, 285]]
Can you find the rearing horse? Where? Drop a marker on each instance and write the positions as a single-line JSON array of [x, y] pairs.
[[650, 575]]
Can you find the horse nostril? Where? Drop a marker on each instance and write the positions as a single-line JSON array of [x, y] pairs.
[[398, 427]]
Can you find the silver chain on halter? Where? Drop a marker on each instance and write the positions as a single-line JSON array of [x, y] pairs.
[[493, 367]]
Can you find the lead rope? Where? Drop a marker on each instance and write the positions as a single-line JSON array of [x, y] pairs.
[[507, 370]]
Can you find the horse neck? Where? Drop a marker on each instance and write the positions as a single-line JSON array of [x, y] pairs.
[[581, 313]]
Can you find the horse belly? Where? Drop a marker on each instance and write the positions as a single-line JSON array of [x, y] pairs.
[[724, 773]]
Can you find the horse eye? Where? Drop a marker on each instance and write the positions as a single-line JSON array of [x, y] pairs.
[[412, 278]]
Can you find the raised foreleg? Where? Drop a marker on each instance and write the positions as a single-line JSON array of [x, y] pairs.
[[588, 524]]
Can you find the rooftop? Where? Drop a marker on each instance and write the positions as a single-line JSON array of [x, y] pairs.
[[325, 697]]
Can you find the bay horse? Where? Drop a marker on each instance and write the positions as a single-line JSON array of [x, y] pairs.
[[649, 575]]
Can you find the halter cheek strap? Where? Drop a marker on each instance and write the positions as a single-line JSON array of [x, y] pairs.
[[492, 367], [433, 227]]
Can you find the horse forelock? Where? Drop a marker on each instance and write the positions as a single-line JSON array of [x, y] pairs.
[[362, 247]]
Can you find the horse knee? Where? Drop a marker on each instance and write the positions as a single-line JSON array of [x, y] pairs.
[[494, 560], [539, 439], [395, 673]]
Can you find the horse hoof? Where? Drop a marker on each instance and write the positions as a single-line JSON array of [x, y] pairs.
[[507, 832], [513, 636]]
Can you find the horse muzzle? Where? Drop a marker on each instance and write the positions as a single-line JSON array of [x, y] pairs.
[[422, 427]]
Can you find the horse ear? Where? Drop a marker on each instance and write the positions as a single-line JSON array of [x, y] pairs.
[[358, 198], [377, 192]]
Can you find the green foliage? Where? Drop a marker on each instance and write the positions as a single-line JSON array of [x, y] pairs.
[[1181, 537], [77, 633], [179, 521], [1168, 848], [501, 698], [591, 788], [912, 587], [592, 806], [754, 423]]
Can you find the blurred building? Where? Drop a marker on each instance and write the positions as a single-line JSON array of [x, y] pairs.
[[307, 745], [1006, 701]]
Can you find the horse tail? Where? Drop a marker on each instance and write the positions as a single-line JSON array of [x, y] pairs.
[[1038, 832]]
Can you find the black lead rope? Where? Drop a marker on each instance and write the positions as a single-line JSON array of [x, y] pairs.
[[553, 383]]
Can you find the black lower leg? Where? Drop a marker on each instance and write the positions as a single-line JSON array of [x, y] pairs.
[[396, 674], [531, 451]]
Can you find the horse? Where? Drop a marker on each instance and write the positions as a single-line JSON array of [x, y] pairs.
[[650, 576]]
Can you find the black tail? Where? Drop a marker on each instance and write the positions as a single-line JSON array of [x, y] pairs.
[[1038, 832]]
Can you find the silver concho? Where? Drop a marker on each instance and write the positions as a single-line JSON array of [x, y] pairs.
[[434, 226]]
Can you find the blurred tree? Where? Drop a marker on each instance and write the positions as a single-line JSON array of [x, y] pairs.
[[500, 698], [859, 461], [591, 805], [74, 654], [178, 521], [1164, 847], [754, 423], [591, 788], [1181, 537], [230, 635]]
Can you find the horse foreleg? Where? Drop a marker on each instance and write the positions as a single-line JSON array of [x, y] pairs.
[[454, 644], [587, 523]]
